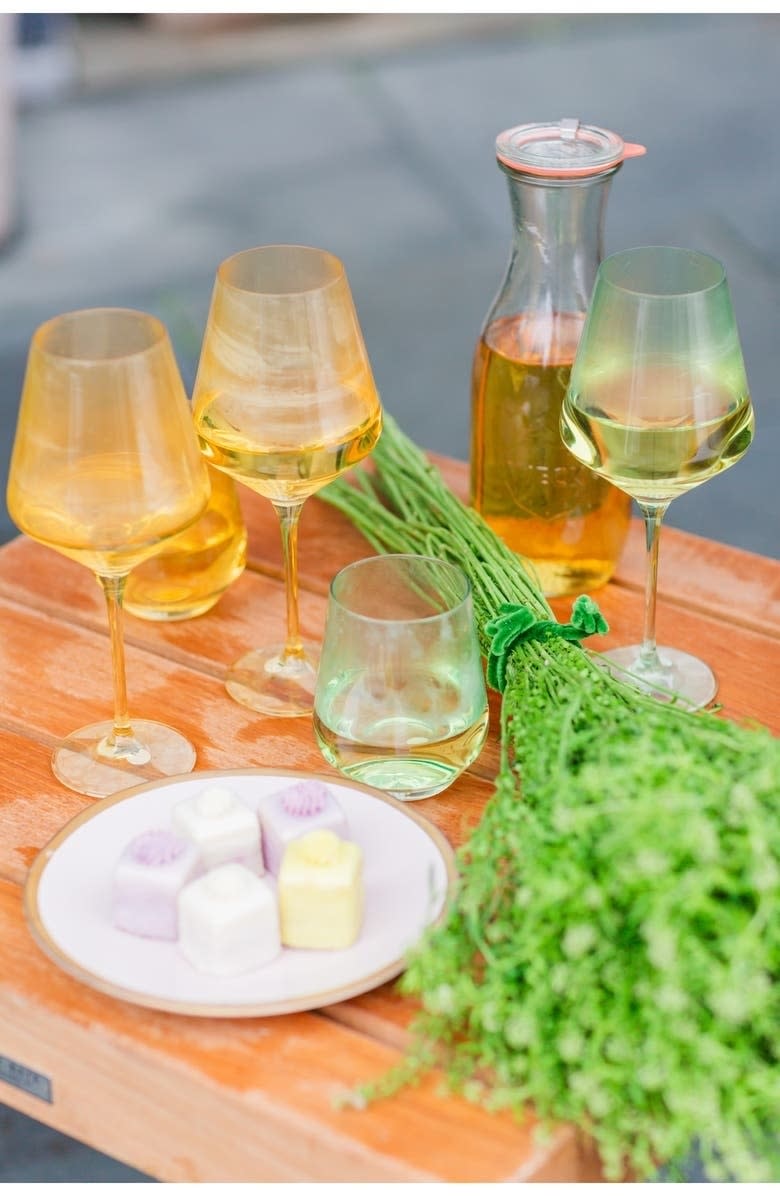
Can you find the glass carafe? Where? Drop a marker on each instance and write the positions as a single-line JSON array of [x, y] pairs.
[[547, 507]]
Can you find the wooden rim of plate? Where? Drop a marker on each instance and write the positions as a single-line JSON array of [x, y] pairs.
[[199, 1009]]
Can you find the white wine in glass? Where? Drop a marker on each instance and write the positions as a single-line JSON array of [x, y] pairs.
[[658, 403], [284, 402], [400, 702], [105, 469]]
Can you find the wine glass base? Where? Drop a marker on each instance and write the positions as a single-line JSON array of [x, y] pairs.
[[270, 683], [691, 683], [79, 764]]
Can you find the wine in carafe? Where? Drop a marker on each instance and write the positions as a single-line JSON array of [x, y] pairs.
[[569, 524], [527, 486]]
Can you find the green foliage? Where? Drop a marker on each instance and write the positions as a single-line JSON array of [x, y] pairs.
[[612, 953]]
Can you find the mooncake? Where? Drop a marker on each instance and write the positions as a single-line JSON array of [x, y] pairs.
[[222, 827], [152, 869], [295, 811], [228, 921], [320, 892]]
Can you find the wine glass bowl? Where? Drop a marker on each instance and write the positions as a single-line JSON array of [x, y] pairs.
[[658, 403], [105, 469], [284, 402], [400, 702]]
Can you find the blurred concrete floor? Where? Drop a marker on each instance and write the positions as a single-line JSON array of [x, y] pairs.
[[373, 136]]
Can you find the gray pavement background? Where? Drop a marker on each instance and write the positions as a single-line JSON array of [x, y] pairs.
[[132, 194], [375, 140]]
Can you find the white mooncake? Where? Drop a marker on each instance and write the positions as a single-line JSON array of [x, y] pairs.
[[222, 827], [228, 921], [320, 891]]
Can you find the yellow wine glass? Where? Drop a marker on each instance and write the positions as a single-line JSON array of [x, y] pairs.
[[105, 468], [284, 402]]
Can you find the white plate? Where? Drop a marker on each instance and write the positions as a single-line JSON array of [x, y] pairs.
[[408, 870]]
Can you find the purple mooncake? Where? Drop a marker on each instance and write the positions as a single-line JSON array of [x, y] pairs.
[[150, 873], [295, 811]]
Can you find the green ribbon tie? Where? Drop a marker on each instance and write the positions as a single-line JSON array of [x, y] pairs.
[[518, 624]]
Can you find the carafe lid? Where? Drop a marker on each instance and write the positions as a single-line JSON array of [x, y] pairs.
[[565, 149]]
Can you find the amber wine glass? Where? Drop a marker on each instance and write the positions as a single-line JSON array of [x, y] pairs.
[[658, 403], [284, 401], [105, 468]]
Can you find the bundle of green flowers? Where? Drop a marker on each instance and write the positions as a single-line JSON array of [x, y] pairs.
[[612, 953]]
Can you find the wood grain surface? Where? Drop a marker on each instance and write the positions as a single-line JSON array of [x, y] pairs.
[[252, 1100]]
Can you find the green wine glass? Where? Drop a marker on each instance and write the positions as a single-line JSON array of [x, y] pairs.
[[400, 701]]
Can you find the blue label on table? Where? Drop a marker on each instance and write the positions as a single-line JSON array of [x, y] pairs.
[[26, 1079]]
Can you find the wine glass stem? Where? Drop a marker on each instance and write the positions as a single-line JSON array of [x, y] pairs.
[[289, 515], [653, 515], [121, 743]]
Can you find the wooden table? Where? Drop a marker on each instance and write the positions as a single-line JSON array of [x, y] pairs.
[[189, 1099]]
